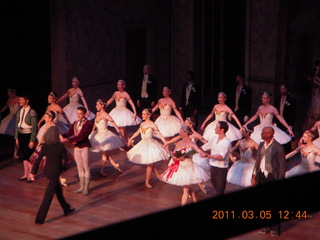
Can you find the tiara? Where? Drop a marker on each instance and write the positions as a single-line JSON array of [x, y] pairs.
[[223, 94], [148, 112], [102, 102], [267, 94], [53, 94]]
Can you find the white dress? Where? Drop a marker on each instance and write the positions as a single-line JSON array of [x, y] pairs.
[[8, 124], [241, 171], [232, 134], [102, 139], [71, 109], [202, 162], [121, 115], [168, 124], [307, 165], [148, 150], [266, 120], [184, 173]]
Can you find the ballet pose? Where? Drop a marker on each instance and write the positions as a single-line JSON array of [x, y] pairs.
[[182, 171], [103, 140], [310, 154], [241, 170], [169, 125], [148, 150], [221, 111], [121, 115], [8, 124], [266, 112], [53, 106], [74, 94]]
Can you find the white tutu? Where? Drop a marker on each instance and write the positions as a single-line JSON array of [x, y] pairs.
[[241, 171], [148, 150], [122, 116], [266, 120], [232, 134], [184, 173], [307, 165], [202, 162], [71, 109], [169, 125], [103, 139]]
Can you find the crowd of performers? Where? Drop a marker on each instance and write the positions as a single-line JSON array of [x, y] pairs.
[[226, 151]]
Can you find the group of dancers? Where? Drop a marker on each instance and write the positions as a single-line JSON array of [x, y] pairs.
[[190, 156]]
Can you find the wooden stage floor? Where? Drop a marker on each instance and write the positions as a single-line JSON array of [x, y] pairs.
[[112, 199]]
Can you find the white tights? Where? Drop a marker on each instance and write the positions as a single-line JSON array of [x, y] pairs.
[[81, 156]]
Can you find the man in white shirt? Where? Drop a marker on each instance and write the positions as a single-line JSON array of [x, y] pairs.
[[219, 147]]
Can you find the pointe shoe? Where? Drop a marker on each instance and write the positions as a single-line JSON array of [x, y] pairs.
[[63, 182], [68, 211], [203, 189], [37, 221], [117, 167], [148, 186]]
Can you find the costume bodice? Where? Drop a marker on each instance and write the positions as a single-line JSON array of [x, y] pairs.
[[220, 116], [308, 161], [246, 154], [165, 109], [13, 109], [102, 125], [146, 133], [266, 119], [121, 102], [74, 99]]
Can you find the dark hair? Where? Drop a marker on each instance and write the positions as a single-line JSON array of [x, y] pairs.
[[241, 75], [224, 126], [186, 129], [191, 73], [51, 114], [285, 85], [83, 109], [25, 96], [51, 136]]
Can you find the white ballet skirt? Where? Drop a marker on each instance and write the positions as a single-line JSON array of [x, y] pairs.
[[202, 162], [169, 125], [8, 124], [184, 173], [122, 116], [241, 171], [148, 150], [63, 128], [265, 121], [232, 134], [307, 165], [102, 139], [71, 109]]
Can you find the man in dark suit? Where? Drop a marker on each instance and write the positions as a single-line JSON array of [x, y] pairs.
[[242, 100], [286, 106], [147, 90], [78, 135], [189, 99], [270, 166]]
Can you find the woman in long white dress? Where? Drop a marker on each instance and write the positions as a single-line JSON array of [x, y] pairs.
[[148, 151], [183, 171], [310, 155], [121, 115], [8, 124], [59, 114], [102, 139], [240, 173], [74, 94], [221, 111], [168, 124], [266, 112]]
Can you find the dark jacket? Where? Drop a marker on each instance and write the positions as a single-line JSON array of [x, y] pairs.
[[81, 140], [151, 88]]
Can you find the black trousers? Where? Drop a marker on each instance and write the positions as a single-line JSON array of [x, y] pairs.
[[53, 187], [219, 179], [262, 179], [24, 152]]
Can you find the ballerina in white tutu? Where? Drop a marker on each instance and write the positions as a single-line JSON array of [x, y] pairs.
[[102, 139], [121, 114], [241, 170], [74, 94], [183, 171], [8, 124], [59, 113], [313, 129], [310, 155], [221, 111], [266, 112], [148, 150], [168, 124]]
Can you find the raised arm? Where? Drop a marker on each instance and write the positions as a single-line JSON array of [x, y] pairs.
[[84, 102], [208, 118], [254, 117], [294, 152], [173, 104], [284, 123], [234, 117], [156, 130], [156, 107], [63, 97], [109, 118], [133, 136], [132, 106]]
